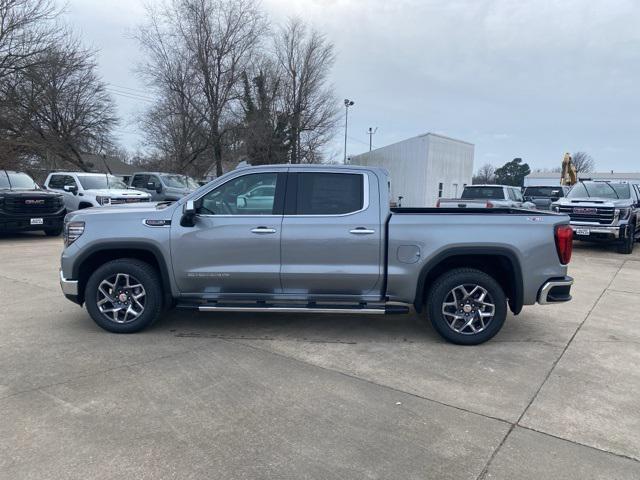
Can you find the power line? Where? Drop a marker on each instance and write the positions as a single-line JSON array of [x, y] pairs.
[[130, 95], [122, 87]]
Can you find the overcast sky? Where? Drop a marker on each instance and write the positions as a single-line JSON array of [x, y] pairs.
[[528, 79]]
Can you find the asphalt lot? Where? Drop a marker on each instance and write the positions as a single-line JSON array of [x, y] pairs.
[[555, 395]]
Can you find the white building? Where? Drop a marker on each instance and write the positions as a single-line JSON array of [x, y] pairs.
[[552, 179], [423, 168]]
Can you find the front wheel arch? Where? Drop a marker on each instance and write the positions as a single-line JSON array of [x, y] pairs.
[[93, 258]]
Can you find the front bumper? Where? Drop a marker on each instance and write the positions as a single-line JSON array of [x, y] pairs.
[[22, 222], [69, 288], [555, 290], [599, 232]]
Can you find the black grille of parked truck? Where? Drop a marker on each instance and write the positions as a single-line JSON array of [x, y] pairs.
[[25, 207]]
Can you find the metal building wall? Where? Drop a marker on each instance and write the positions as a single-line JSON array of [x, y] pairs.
[[450, 162], [417, 165]]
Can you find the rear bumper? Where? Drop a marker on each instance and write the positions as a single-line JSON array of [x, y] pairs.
[[555, 290], [69, 288]]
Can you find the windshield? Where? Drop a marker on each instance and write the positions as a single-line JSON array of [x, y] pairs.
[[600, 189], [546, 192], [175, 181], [17, 181], [98, 182], [490, 193]]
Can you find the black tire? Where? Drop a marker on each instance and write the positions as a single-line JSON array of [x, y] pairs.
[[626, 247], [144, 275], [442, 291], [53, 232]]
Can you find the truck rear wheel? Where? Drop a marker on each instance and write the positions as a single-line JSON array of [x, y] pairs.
[[466, 306], [124, 295]]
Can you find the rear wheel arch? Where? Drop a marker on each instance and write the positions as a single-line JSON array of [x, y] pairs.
[[98, 256], [500, 263]]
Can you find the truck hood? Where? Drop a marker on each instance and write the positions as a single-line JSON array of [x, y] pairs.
[[121, 212], [118, 192], [29, 194], [595, 201]]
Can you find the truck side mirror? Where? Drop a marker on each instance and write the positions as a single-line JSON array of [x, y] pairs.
[[188, 214], [71, 188]]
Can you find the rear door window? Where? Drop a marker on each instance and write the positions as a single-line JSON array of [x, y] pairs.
[[329, 193]]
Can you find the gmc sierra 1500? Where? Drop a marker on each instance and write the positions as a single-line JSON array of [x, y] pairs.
[[317, 239]]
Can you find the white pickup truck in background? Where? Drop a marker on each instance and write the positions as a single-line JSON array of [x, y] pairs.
[[487, 196]]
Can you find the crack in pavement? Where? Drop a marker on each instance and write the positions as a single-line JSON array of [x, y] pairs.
[[485, 470]]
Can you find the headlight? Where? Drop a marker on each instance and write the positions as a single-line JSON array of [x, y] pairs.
[[103, 200], [72, 230], [623, 213]]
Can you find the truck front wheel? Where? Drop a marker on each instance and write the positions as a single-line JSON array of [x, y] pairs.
[[626, 247], [466, 306], [124, 295]]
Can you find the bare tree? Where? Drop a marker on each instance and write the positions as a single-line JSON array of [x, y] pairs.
[[57, 107], [486, 174], [264, 129], [26, 31], [198, 51], [583, 162], [305, 58]]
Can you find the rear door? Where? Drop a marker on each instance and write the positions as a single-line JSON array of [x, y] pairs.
[[331, 233]]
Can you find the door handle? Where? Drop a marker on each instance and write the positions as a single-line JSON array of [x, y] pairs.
[[263, 230], [362, 231]]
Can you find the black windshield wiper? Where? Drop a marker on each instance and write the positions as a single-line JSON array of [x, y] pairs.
[[614, 190]]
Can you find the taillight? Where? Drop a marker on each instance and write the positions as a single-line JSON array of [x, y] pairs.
[[564, 243], [489, 204]]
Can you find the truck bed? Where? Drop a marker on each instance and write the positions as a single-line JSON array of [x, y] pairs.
[[468, 211]]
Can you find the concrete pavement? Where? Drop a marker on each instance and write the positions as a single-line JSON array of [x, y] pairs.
[[554, 395]]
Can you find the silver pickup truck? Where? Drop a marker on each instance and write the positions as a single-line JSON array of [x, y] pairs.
[[487, 196], [317, 239]]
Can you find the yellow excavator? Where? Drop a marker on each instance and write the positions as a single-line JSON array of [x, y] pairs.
[[569, 176]]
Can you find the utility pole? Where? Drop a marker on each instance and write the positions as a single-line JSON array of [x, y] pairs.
[[371, 133], [347, 103]]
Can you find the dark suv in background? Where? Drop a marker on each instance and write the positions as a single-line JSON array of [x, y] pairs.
[[25, 207], [163, 186]]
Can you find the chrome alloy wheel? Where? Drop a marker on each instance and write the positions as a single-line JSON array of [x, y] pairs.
[[121, 298], [468, 309]]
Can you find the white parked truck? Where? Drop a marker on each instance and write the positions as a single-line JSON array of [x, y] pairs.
[[487, 196]]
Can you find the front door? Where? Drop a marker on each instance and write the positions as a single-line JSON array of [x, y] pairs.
[[331, 233], [234, 247]]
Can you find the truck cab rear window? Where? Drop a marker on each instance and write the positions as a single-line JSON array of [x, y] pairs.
[[489, 193], [329, 193]]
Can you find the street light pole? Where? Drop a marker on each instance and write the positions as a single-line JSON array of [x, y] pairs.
[[347, 103], [371, 132]]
